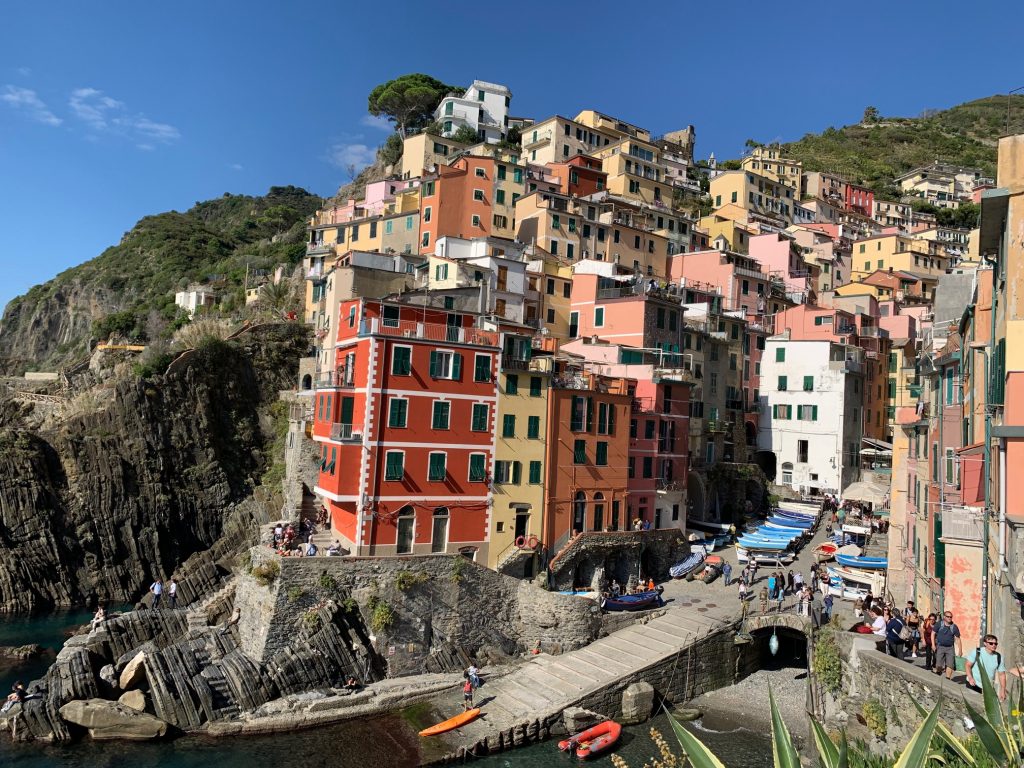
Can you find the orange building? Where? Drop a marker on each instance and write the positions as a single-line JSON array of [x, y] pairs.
[[587, 453], [406, 430], [479, 196]]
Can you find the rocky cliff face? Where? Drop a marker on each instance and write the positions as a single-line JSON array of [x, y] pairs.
[[107, 501]]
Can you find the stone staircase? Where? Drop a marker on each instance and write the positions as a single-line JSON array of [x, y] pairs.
[[197, 618]]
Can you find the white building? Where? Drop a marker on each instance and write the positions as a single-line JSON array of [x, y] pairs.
[[811, 395], [195, 297], [494, 264], [484, 108]]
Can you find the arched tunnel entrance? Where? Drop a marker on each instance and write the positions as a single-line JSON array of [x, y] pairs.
[[792, 653]]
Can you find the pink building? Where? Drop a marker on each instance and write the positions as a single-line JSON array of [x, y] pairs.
[[781, 255], [377, 196]]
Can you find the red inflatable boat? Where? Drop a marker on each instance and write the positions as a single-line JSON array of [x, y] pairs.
[[593, 741]]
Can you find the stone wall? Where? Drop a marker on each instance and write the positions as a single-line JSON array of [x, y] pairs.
[[595, 558], [445, 609], [871, 675]]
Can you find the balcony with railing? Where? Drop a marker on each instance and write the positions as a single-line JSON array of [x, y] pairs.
[[961, 523], [409, 329], [342, 377], [346, 432], [847, 366], [589, 382], [667, 485], [313, 249], [673, 373], [529, 142]]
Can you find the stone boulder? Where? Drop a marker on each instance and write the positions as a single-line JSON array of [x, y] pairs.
[[133, 673], [576, 719], [112, 720], [637, 703], [108, 676], [133, 700], [21, 652]]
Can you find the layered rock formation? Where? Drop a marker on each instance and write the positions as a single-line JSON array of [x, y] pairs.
[[109, 500]]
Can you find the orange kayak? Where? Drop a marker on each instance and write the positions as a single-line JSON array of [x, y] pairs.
[[451, 723]]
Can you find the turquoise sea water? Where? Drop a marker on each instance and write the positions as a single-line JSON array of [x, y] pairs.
[[383, 742]]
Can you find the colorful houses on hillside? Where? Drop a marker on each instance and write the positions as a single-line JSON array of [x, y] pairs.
[[521, 343]]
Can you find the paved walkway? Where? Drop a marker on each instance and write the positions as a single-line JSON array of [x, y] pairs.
[[546, 685]]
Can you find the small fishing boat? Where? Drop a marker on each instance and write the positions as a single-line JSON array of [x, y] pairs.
[[869, 563], [712, 569], [593, 741], [824, 551], [721, 541], [699, 539], [690, 563], [451, 723], [763, 557], [638, 601], [708, 527]]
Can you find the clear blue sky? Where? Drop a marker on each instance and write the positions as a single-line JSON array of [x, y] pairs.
[[113, 110]]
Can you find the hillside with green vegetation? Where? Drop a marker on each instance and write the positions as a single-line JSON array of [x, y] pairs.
[[129, 288], [881, 148]]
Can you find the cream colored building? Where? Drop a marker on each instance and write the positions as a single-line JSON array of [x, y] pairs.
[[424, 150], [754, 193], [769, 163]]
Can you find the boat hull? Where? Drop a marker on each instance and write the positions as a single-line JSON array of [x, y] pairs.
[[636, 602], [451, 723], [593, 741]]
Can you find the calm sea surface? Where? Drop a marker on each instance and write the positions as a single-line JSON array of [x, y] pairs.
[[376, 743]]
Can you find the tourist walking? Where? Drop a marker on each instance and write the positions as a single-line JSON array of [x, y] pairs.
[[172, 592], [991, 661], [798, 581], [771, 585], [894, 632], [816, 606], [157, 588], [946, 643], [913, 619], [826, 614], [782, 598], [467, 694], [474, 675], [727, 573], [927, 640], [764, 599], [789, 581]]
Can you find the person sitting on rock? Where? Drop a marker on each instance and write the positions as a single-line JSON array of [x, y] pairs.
[[351, 684], [99, 617], [17, 696], [334, 550]]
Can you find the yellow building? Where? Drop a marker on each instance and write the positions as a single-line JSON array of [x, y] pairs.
[[518, 476], [754, 193], [558, 138], [549, 294], [424, 150], [769, 163], [635, 172], [728, 223], [922, 258], [612, 126]]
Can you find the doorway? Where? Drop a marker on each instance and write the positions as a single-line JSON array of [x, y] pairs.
[[439, 533], [522, 524], [406, 531]]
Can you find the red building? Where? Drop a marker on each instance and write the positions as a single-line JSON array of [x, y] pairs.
[[579, 176], [858, 199], [406, 430]]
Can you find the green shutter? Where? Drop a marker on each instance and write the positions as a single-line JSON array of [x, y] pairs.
[[611, 419], [511, 384], [579, 453], [814, 413], [789, 411], [457, 367], [347, 404], [441, 414], [533, 427], [783, 382], [808, 383], [508, 427], [517, 472], [394, 468], [601, 457], [397, 412], [799, 412], [535, 469], [477, 463], [590, 414], [435, 365], [437, 470], [483, 368], [780, 354], [535, 386], [479, 418]]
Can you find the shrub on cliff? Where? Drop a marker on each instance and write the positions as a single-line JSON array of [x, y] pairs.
[[266, 573]]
